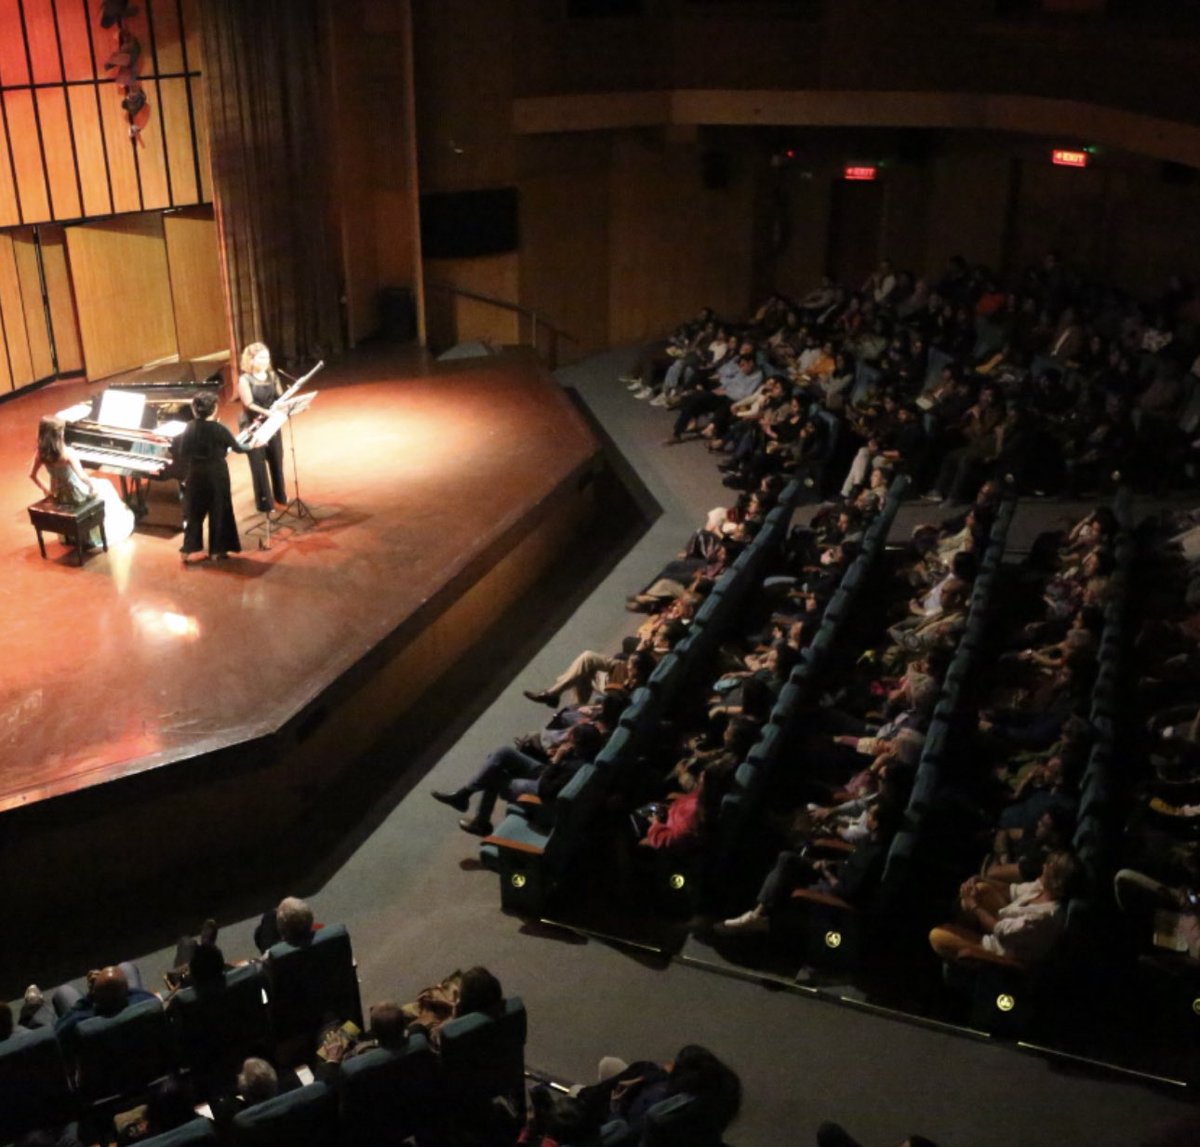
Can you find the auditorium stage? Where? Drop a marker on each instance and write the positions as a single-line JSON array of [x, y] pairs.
[[434, 488]]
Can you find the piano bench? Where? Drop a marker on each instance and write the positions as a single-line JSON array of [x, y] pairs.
[[73, 522]]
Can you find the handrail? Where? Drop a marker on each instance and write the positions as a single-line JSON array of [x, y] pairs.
[[535, 317]]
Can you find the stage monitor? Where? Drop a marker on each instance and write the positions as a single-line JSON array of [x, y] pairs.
[[466, 224]]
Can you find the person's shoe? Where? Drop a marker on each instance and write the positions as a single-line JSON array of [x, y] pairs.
[[643, 392], [747, 923], [33, 996], [541, 697], [659, 400], [931, 496], [460, 802], [631, 381], [475, 826]]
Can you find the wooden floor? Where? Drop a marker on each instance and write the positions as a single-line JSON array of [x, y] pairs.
[[135, 662]]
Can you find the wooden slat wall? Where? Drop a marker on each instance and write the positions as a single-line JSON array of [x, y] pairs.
[[66, 152], [25, 254], [122, 292], [195, 267], [18, 366], [61, 299]]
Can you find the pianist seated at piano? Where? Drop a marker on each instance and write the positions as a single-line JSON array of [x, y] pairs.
[[258, 388], [70, 485]]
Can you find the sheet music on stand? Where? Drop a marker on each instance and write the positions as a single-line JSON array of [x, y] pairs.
[[280, 412]]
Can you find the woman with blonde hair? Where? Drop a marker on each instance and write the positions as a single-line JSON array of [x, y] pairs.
[[70, 485], [258, 388]]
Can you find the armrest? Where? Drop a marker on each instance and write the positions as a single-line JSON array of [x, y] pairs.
[[826, 898], [515, 845]]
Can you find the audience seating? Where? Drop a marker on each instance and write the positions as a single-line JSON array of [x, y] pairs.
[[217, 1027], [306, 1117], [311, 986], [119, 1056], [482, 1058], [33, 1082], [385, 1094]]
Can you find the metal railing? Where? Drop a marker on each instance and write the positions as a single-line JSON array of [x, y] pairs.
[[533, 328]]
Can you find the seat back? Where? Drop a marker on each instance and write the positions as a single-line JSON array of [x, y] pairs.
[[681, 1121], [312, 985], [219, 1026], [483, 1058], [384, 1095], [120, 1055], [196, 1133], [33, 1082], [306, 1117]]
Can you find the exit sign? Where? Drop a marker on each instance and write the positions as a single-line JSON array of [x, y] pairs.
[[860, 172], [1063, 158]]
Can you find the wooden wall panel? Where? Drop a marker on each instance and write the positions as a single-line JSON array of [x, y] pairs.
[[123, 292], [168, 44], [79, 62], [25, 255], [177, 133], [14, 66], [89, 147], [58, 147], [152, 158], [42, 33], [16, 340], [196, 287], [27, 155], [10, 210], [199, 104], [61, 299], [122, 170]]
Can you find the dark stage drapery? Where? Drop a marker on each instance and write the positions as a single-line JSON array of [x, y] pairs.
[[270, 114]]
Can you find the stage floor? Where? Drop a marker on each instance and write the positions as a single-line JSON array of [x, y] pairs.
[[133, 661]]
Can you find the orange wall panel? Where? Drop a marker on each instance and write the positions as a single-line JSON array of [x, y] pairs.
[[26, 257], [123, 293], [59, 152], [27, 155], [10, 211], [61, 299], [177, 134], [196, 85], [15, 337], [42, 33], [14, 66], [76, 42], [89, 150], [168, 45]]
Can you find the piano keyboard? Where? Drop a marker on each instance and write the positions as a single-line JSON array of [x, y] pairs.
[[119, 460]]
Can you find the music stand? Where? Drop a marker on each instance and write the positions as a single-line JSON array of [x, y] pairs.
[[281, 413], [297, 404]]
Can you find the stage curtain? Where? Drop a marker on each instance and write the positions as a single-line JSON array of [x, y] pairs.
[[269, 108]]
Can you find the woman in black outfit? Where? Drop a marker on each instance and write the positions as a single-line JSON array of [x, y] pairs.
[[258, 387], [202, 448]]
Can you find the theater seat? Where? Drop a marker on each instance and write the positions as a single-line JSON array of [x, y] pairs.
[[312, 985], [33, 1081], [306, 1117], [197, 1133], [482, 1058], [384, 1095], [121, 1055], [218, 1026]]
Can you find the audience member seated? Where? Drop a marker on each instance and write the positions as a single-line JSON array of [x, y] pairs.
[[291, 921], [110, 991], [510, 773], [475, 991], [1019, 922]]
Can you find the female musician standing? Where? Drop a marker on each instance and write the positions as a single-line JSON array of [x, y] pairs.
[[70, 484], [258, 387], [202, 448]]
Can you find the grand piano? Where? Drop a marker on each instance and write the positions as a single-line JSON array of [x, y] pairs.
[[128, 430]]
